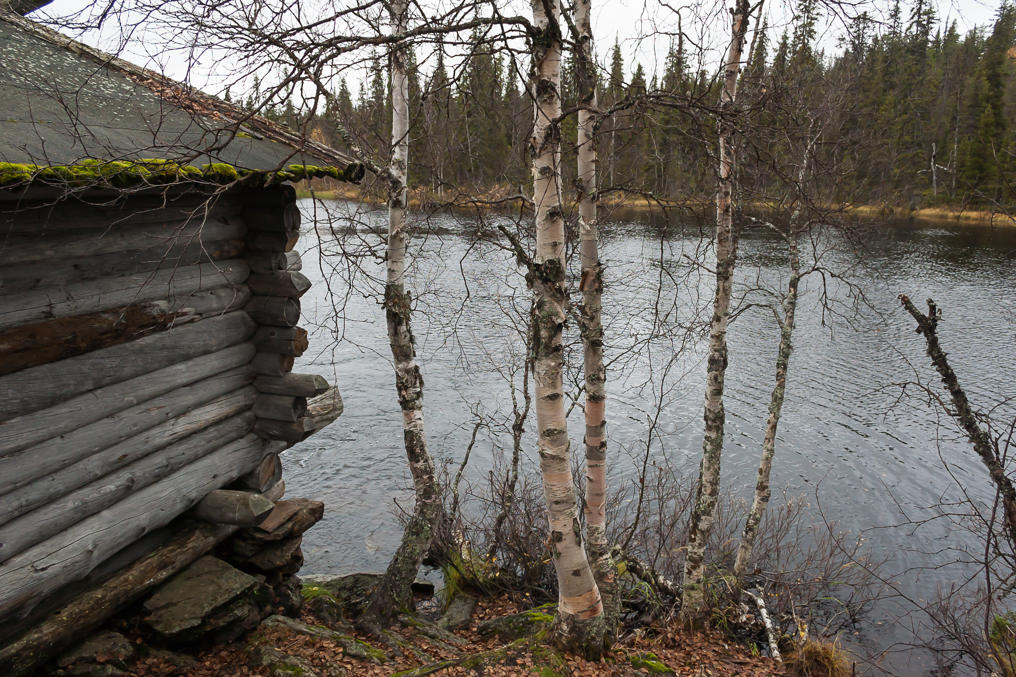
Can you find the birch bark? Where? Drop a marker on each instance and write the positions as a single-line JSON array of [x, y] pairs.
[[591, 324], [762, 487], [579, 624], [393, 593], [704, 508]]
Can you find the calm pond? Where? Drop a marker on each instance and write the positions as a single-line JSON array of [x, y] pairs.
[[847, 442]]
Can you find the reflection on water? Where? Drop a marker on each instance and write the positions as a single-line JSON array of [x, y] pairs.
[[847, 440]]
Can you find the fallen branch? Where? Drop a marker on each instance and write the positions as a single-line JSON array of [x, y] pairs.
[[767, 621], [645, 573]]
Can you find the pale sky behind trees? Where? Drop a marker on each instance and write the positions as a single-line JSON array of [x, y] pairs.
[[645, 30]]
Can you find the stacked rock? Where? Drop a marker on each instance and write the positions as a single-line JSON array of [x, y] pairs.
[[272, 549]]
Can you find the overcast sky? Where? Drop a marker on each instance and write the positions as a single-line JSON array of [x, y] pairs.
[[643, 28]]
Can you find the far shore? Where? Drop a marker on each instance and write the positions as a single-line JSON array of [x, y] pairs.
[[647, 206]]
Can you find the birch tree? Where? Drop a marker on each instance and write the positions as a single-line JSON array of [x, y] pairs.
[[393, 593], [707, 489], [763, 490], [579, 624], [591, 324]]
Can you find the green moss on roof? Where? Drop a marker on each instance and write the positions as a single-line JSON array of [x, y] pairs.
[[151, 172]]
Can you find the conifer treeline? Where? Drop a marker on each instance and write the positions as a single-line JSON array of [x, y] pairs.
[[917, 114]]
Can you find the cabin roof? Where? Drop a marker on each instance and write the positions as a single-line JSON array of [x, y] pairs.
[[65, 102]]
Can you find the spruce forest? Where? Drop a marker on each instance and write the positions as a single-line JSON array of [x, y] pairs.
[[917, 114]]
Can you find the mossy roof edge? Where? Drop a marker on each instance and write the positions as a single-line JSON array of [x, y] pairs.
[[141, 173]]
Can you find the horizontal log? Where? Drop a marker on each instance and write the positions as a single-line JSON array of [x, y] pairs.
[[321, 411], [76, 412], [39, 387], [280, 283], [107, 238], [281, 407], [70, 475], [229, 506], [272, 364], [263, 477], [50, 519], [162, 211], [28, 277], [69, 556], [300, 385], [285, 218], [17, 470], [113, 292], [90, 609], [293, 261], [267, 241], [277, 311], [35, 344], [266, 262], [277, 196], [287, 431], [285, 340]]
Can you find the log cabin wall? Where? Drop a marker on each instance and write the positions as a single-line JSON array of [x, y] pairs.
[[145, 350]]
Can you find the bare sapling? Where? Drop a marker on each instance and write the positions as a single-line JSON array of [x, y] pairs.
[[763, 490], [393, 593]]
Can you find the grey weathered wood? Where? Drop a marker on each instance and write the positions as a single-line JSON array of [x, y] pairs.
[[286, 340], [272, 364], [62, 481], [321, 411], [112, 292], [106, 238], [293, 261], [275, 197], [27, 277], [277, 311], [17, 470], [281, 407], [89, 610], [300, 385], [277, 491], [50, 519], [265, 476], [37, 215], [280, 283], [229, 506], [285, 218], [266, 262], [35, 344], [42, 386], [273, 429], [76, 412], [267, 241], [26, 578]]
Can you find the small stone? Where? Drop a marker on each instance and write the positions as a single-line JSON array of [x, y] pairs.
[[459, 613], [281, 664], [277, 555], [110, 648], [289, 595], [183, 603], [289, 519]]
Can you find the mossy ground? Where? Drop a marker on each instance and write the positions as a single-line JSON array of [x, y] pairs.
[[414, 649]]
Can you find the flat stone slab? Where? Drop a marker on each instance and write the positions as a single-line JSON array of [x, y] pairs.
[[194, 594]]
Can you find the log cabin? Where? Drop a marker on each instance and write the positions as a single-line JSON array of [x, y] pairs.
[[149, 311]]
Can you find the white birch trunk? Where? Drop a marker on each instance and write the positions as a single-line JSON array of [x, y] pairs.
[[591, 324], [580, 610], [707, 490], [762, 489], [393, 593]]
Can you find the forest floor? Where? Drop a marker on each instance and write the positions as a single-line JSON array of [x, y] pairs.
[[630, 207], [417, 649]]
